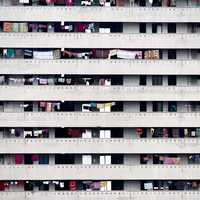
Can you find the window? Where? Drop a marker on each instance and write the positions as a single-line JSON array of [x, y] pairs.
[[117, 185], [143, 106], [142, 3], [172, 106], [157, 80], [117, 159], [156, 28], [142, 27], [157, 3], [64, 159], [28, 106], [171, 54], [171, 80], [157, 106], [171, 28], [143, 80]]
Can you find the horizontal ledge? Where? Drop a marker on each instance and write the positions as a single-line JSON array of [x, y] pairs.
[[97, 13], [100, 66]]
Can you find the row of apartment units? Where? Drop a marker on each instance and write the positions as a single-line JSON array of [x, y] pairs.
[[99, 100]]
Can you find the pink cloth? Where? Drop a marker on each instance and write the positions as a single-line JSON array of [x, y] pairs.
[[168, 161]]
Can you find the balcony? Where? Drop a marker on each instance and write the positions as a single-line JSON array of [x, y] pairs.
[[100, 14], [99, 93], [100, 66], [100, 40], [112, 195], [99, 172], [88, 146], [97, 119]]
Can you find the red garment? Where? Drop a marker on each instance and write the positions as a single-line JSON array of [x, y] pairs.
[[2, 186], [34, 157], [80, 27], [139, 131], [74, 132], [72, 185], [18, 159]]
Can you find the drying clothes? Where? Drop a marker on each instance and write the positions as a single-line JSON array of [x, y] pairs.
[[56, 106], [80, 27], [61, 80], [56, 54], [68, 81], [34, 157], [151, 54], [2, 79], [2, 186], [15, 27], [37, 133], [74, 132], [43, 81], [69, 2], [43, 159], [49, 107], [23, 27], [139, 132], [28, 134], [43, 55], [18, 159], [62, 184], [19, 53], [9, 53], [95, 186], [165, 132], [28, 53], [42, 104], [72, 185], [7, 27], [101, 81], [148, 186], [50, 1]]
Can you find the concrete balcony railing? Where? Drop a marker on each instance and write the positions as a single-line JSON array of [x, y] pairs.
[[100, 40], [99, 172], [97, 119], [108, 195], [99, 93], [100, 66], [100, 14], [99, 146], [99, 195]]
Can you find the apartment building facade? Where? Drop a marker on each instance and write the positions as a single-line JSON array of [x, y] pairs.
[[99, 99]]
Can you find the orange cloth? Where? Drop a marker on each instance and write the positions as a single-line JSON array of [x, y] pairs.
[[7, 27]]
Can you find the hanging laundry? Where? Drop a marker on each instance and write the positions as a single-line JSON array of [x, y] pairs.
[[18, 159], [74, 132], [43, 81], [69, 2], [51, 1], [49, 107], [23, 27], [2, 186], [56, 54], [28, 53], [7, 27], [72, 185], [34, 157]]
